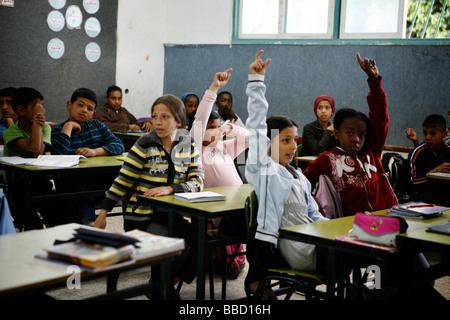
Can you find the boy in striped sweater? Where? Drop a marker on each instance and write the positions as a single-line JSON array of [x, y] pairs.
[[82, 135]]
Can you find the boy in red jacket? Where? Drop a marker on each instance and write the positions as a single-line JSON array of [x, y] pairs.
[[354, 166]]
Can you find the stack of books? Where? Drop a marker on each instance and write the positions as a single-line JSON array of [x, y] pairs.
[[94, 249], [417, 210], [89, 255], [203, 196]]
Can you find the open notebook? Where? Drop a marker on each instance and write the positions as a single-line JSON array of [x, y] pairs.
[[62, 161], [203, 196]]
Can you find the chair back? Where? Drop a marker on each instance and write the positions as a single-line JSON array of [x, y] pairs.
[[298, 153], [251, 210]]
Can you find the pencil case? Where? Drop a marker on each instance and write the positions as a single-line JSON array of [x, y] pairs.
[[378, 229]]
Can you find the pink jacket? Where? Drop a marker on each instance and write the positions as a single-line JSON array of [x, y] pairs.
[[218, 158]]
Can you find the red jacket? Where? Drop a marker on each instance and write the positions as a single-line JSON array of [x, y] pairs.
[[360, 180]]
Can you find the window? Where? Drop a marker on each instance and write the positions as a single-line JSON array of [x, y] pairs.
[[373, 19], [286, 18], [342, 20]]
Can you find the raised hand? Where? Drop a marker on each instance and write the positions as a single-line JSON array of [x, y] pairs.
[[258, 66], [368, 66], [411, 134], [39, 115], [220, 80]]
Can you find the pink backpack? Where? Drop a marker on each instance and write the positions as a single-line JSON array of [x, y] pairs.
[[328, 198]]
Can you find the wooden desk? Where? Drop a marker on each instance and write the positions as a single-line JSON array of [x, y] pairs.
[[418, 239], [128, 137], [235, 204], [306, 159], [302, 162], [323, 234], [439, 175], [104, 164], [23, 274]]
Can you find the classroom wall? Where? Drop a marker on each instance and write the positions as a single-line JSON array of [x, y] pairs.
[[174, 46], [415, 78], [145, 27], [186, 42]]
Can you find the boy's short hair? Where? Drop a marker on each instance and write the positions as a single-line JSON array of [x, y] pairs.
[[112, 89], [7, 92], [23, 96], [435, 121], [345, 113], [278, 123], [84, 93], [224, 92], [175, 105]]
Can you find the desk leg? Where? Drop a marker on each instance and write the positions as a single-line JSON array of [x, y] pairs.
[[170, 218], [331, 273], [382, 293], [168, 278], [201, 258], [166, 281], [111, 281], [27, 206]]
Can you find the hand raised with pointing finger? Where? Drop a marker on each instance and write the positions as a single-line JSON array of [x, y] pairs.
[[368, 66], [220, 80], [258, 66]]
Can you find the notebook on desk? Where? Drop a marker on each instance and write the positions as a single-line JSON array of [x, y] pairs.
[[442, 228]]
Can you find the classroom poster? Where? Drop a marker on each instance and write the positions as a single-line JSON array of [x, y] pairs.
[[92, 52], [91, 6], [92, 27], [55, 21], [7, 3], [74, 17], [57, 4], [55, 48]]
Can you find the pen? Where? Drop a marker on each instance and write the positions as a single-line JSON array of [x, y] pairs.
[[420, 205]]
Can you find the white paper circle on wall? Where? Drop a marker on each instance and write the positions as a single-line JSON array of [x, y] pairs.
[[91, 6], [92, 27], [74, 17], [92, 52], [55, 21], [55, 48], [57, 4]]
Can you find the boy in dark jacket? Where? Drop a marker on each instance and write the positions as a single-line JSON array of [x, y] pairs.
[[431, 156]]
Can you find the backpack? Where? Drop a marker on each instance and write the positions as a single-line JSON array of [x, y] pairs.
[[237, 260], [396, 168], [328, 198]]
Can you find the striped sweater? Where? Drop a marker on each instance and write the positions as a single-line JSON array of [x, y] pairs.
[[94, 134], [149, 165]]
